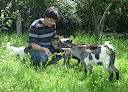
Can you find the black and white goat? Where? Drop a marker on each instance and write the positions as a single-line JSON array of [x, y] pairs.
[[18, 51], [95, 54]]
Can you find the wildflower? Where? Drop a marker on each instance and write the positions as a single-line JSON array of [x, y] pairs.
[[46, 75], [12, 88]]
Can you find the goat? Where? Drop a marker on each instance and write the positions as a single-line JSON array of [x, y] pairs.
[[18, 51], [62, 43], [95, 54]]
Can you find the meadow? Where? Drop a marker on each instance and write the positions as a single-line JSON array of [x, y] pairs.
[[16, 76]]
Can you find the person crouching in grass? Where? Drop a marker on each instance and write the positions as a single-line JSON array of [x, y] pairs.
[[42, 31]]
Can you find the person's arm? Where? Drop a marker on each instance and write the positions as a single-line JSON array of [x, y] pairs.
[[40, 48]]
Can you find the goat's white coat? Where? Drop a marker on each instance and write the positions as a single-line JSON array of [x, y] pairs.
[[17, 50], [103, 57]]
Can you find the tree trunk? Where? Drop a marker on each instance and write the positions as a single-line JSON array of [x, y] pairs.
[[18, 25], [18, 20], [97, 27]]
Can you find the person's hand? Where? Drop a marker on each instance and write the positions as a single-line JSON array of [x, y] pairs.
[[47, 52], [55, 46]]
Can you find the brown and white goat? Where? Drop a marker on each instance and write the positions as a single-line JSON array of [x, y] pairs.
[[63, 43], [95, 54]]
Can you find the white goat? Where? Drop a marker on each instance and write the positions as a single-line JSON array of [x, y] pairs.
[[95, 54], [18, 51]]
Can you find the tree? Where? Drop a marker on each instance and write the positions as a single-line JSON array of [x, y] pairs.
[[75, 14], [7, 17], [18, 19], [97, 26]]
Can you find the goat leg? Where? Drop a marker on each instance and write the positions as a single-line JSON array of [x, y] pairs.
[[85, 69], [65, 59], [117, 71], [117, 75], [69, 59], [111, 76], [91, 67], [74, 57], [78, 61]]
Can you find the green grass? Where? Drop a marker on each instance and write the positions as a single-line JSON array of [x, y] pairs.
[[16, 76]]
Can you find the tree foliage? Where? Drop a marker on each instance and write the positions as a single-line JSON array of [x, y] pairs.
[[7, 17], [117, 19], [75, 14], [69, 18]]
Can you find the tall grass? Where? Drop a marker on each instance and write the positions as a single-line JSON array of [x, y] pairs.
[[16, 76]]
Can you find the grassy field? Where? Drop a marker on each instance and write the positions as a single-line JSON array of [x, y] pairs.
[[16, 76]]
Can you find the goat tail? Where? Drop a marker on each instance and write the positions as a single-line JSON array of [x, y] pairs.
[[8, 45], [110, 46]]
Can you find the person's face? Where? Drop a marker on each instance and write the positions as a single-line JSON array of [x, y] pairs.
[[49, 22]]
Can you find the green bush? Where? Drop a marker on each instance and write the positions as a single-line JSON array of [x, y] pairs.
[[7, 17], [75, 14]]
